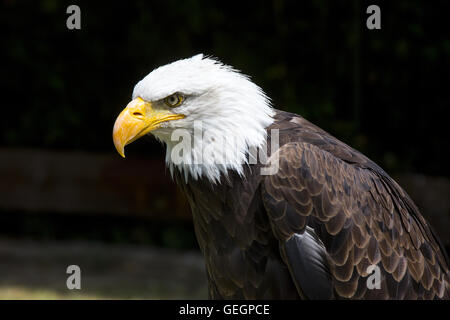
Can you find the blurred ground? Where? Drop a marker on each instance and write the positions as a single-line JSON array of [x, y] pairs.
[[37, 270]]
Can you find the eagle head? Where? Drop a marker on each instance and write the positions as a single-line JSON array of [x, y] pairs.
[[208, 115]]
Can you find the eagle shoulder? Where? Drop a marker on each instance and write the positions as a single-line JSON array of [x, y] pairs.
[[357, 216]]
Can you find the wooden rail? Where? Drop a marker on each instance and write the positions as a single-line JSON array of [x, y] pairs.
[[77, 182]]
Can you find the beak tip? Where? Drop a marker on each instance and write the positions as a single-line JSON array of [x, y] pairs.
[[119, 148], [121, 151]]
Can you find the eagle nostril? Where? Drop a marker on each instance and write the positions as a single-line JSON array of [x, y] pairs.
[[137, 114]]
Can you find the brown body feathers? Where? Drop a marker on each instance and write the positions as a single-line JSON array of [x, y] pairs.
[[312, 230]]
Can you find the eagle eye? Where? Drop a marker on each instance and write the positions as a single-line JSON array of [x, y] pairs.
[[174, 100]]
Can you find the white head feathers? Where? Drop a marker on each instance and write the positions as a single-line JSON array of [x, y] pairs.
[[226, 116]]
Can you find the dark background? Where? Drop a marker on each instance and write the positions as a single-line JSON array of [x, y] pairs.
[[384, 92]]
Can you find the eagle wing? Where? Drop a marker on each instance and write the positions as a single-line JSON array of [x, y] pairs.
[[335, 214]]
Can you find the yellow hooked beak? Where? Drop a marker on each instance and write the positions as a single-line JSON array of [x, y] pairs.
[[136, 120]]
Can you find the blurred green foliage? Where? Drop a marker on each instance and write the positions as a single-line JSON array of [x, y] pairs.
[[385, 92]]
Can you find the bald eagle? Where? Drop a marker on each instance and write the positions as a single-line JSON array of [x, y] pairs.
[[281, 209]]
